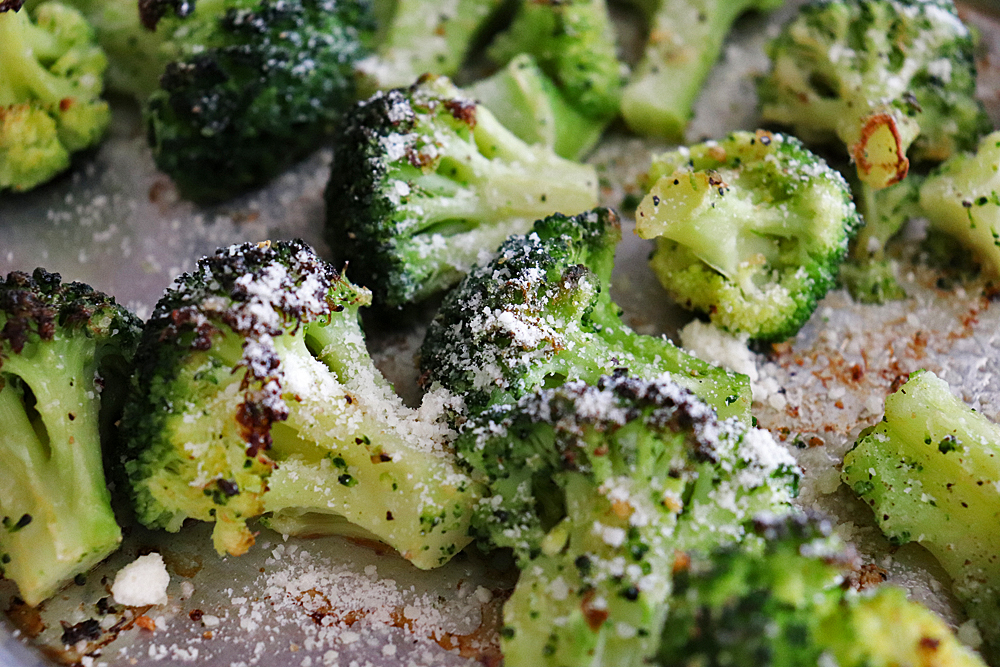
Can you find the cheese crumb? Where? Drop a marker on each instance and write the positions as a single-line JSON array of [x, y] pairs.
[[142, 582]]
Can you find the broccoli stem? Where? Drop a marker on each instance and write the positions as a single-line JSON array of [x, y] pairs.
[[57, 519]]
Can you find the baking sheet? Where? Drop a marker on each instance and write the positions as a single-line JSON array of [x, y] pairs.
[[117, 224]]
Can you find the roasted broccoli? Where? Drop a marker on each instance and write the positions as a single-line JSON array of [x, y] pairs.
[[426, 182], [540, 313], [596, 488], [930, 470], [529, 104], [51, 77], [685, 39], [787, 605], [573, 42], [750, 230], [65, 359], [885, 77], [417, 37], [961, 199], [254, 394]]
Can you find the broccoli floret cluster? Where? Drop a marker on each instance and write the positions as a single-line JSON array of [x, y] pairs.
[[596, 488], [254, 393], [685, 39], [65, 358], [930, 472], [787, 604], [427, 182], [890, 79], [540, 313], [51, 78], [750, 230]]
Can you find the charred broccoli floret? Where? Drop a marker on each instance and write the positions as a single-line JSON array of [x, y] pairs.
[[887, 78], [750, 230], [254, 393], [573, 42], [596, 488], [51, 77], [65, 359], [427, 182], [685, 39], [961, 200], [930, 470], [540, 313], [787, 605]]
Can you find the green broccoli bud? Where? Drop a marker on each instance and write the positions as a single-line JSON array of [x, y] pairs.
[[885, 77], [750, 230], [930, 471], [961, 200], [786, 605], [528, 104], [427, 183], [254, 393], [573, 42], [685, 39], [260, 82], [65, 355], [51, 76], [417, 37], [595, 488], [540, 313]]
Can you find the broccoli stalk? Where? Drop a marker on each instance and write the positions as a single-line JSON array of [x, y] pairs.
[[961, 200], [595, 488], [786, 605], [750, 230], [64, 355], [51, 77], [930, 471], [885, 77], [427, 182], [255, 394], [685, 39], [540, 313]]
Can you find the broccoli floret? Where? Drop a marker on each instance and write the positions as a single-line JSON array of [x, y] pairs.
[[573, 42], [540, 313], [961, 200], [885, 77], [530, 105], [417, 37], [426, 181], [65, 355], [595, 488], [930, 471], [750, 230], [254, 394], [685, 39], [786, 605], [259, 83], [51, 77]]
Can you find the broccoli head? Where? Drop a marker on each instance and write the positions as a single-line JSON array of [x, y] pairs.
[[786, 604], [65, 359], [254, 394], [887, 78], [960, 199], [685, 39], [930, 471], [540, 313], [596, 488], [573, 42], [750, 230], [426, 182], [257, 86], [51, 77]]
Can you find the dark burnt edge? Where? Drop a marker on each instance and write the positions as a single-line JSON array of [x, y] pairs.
[[151, 11], [11, 5]]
